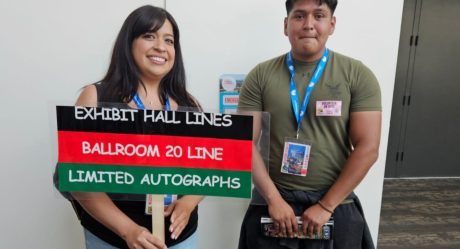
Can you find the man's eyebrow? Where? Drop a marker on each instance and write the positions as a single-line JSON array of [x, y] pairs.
[[320, 10], [298, 12]]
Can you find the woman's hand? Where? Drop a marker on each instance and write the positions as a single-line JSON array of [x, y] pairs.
[[139, 237], [180, 211], [102, 208]]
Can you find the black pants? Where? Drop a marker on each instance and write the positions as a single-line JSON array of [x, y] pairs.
[[349, 231]]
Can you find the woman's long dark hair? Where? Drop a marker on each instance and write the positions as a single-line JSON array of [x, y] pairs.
[[122, 80]]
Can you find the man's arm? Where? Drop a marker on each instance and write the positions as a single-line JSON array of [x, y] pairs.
[[282, 214], [365, 137]]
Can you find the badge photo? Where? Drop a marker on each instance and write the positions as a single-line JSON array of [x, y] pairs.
[[295, 157]]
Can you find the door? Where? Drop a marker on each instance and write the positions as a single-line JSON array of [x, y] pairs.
[[425, 127]]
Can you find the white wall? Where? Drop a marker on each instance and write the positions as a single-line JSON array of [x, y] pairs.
[[51, 48], [48, 50]]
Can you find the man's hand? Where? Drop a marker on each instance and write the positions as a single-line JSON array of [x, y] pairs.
[[313, 219], [283, 218]]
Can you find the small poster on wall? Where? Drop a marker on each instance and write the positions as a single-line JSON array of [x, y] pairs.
[[229, 88]]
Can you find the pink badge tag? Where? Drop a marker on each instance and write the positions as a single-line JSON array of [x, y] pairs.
[[332, 108]]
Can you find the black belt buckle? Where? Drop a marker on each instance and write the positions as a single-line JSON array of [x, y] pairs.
[[268, 229]]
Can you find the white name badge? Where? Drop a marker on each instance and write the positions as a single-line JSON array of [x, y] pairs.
[[295, 157], [331, 108]]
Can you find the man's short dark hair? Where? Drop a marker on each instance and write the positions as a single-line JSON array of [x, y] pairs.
[[330, 3]]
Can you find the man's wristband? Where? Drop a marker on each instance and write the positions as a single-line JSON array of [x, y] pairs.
[[324, 207]]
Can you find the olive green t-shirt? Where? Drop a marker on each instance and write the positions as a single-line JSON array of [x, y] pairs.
[[345, 80]]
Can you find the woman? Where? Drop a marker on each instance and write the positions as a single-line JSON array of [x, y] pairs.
[[146, 71]]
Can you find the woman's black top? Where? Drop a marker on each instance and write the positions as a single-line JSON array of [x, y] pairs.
[[132, 205]]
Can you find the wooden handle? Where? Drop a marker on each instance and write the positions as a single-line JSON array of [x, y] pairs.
[[158, 217]]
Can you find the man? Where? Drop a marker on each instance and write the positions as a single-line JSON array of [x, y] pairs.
[[325, 108]]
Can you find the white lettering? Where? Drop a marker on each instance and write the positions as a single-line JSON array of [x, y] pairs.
[[215, 119], [117, 149], [190, 180], [111, 114], [78, 112], [223, 182], [177, 180], [236, 183], [95, 176], [205, 153], [166, 117], [227, 120]]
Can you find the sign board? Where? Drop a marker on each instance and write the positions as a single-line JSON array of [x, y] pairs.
[[154, 152]]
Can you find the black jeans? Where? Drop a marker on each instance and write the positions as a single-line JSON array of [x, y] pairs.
[[350, 228]]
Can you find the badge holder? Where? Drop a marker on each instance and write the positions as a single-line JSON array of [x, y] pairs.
[[296, 155], [261, 150]]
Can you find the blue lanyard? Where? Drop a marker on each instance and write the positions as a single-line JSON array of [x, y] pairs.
[[168, 199], [314, 79], [140, 105]]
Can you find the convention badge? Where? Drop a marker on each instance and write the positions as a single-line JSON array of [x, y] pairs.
[[331, 108], [296, 155], [168, 199]]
